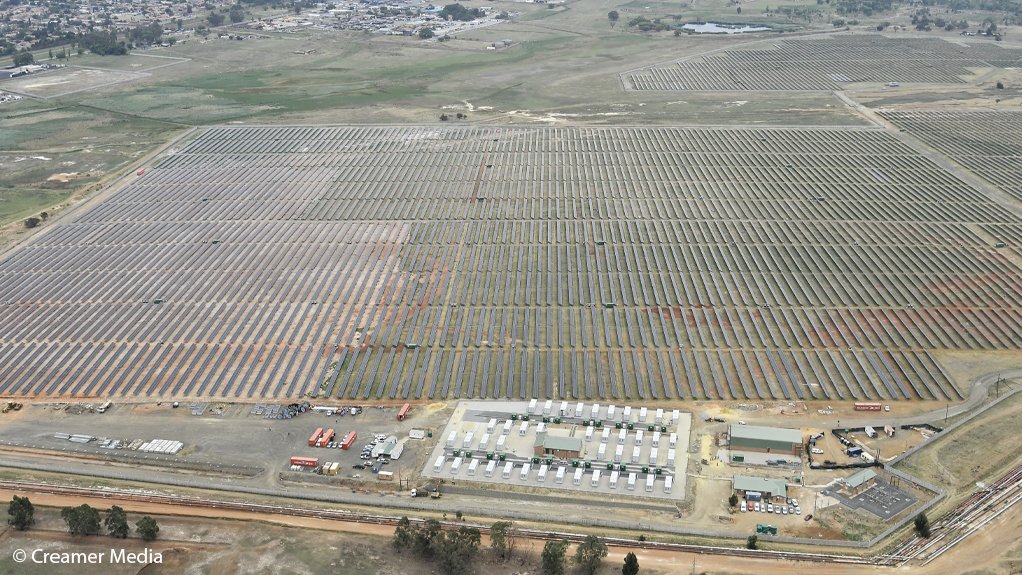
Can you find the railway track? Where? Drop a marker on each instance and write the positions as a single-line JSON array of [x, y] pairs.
[[382, 519]]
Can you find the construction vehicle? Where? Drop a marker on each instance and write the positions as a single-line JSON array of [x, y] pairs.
[[11, 406], [431, 489]]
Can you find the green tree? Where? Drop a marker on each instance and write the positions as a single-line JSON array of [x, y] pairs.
[[24, 58], [752, 542], [426, 537], [404, 534], [22, 513], [613, 17], [81, 520], [457, 550], [631, 566], [501, 538], [116, 522], [733, 500], [922, 526], [147, 528], [215, 19], [553, 557], [590, 554], [425, 33], [237, 13], [31, 222]]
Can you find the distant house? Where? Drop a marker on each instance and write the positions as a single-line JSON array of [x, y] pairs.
[[755, 488], [860, 481], [558, 446]]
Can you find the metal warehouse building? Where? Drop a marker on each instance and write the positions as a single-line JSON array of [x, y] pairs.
[[753, 439]]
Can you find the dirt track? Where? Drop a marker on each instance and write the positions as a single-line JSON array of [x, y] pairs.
[[984, 550]]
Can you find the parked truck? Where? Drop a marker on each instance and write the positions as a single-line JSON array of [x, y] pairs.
[[349, 440]]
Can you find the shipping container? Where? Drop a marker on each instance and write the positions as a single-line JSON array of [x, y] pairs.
[[559, 478], [889, 430], [305, 461], [656, 439], [619, 452], [670, 457], [669, 484], [872, 433], [541, 476], [540, 427], [638, 437], [868, 406], [547, 407], [589, 433], [523, 429], [501, 443], [416, 434], [594, 413], [491, 425], [611, 412], [653, 455], [601, 453], [404, 411], [626, 414], [577, 479], [564, 409], [467, 442], [673, 440], [622, 435], [595, 482], [631, 482], [613, 479], [385, 476], [675, 415], [532, 406], [484, 441], [506, 474], [315, 436], [327, 437], [649, 482], [472, 465], [659, 417], [349, 440], [636, 453], [579, 408], [507, 427], [490, 468], [453, 437], [438, 465], [456, 466], [605, 435], [854, 451], [642, 414], [524, 475]]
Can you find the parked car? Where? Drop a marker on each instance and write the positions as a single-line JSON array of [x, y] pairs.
[[742, 507], [358, 466], [757, 507], [809, 517], [817, 451], [770, 507]]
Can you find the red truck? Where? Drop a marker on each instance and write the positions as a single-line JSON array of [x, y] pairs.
[[305, 461], [405, 410], [349, 440], [315, 436]]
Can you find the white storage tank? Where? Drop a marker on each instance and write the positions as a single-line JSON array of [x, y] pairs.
[[631, 482], [658, 418], [642, 414], [484, 441], [619, 452], [501, 443], [467, 442], [456, 466], [577, 480], [626, 414], [523, 428], [670, 457], [506, 474], [601, 453], [613, 479], [611, 412], [547, 407], [656, 439], [438, 465], [596, 478], [452, 438], [559, 478], [638, 437], [653, 455], [668, 483], [490, 468], [649, 482], [507, 427], [605, 435], [541, 476], [673, 440], [472, 466], [532, 406], [524, 476], [491, 425], [589, 433], [635, 454]]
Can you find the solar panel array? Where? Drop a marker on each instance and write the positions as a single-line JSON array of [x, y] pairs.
[[593, 263]]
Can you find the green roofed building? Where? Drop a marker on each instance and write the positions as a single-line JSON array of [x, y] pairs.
[[766, 487], [754, 439], [859, 481], [558, 446]]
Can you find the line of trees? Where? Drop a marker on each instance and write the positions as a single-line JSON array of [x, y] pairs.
[[84, 520], [453, 550]]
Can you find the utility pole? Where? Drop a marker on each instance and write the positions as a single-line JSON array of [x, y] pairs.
[[946, 411]]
